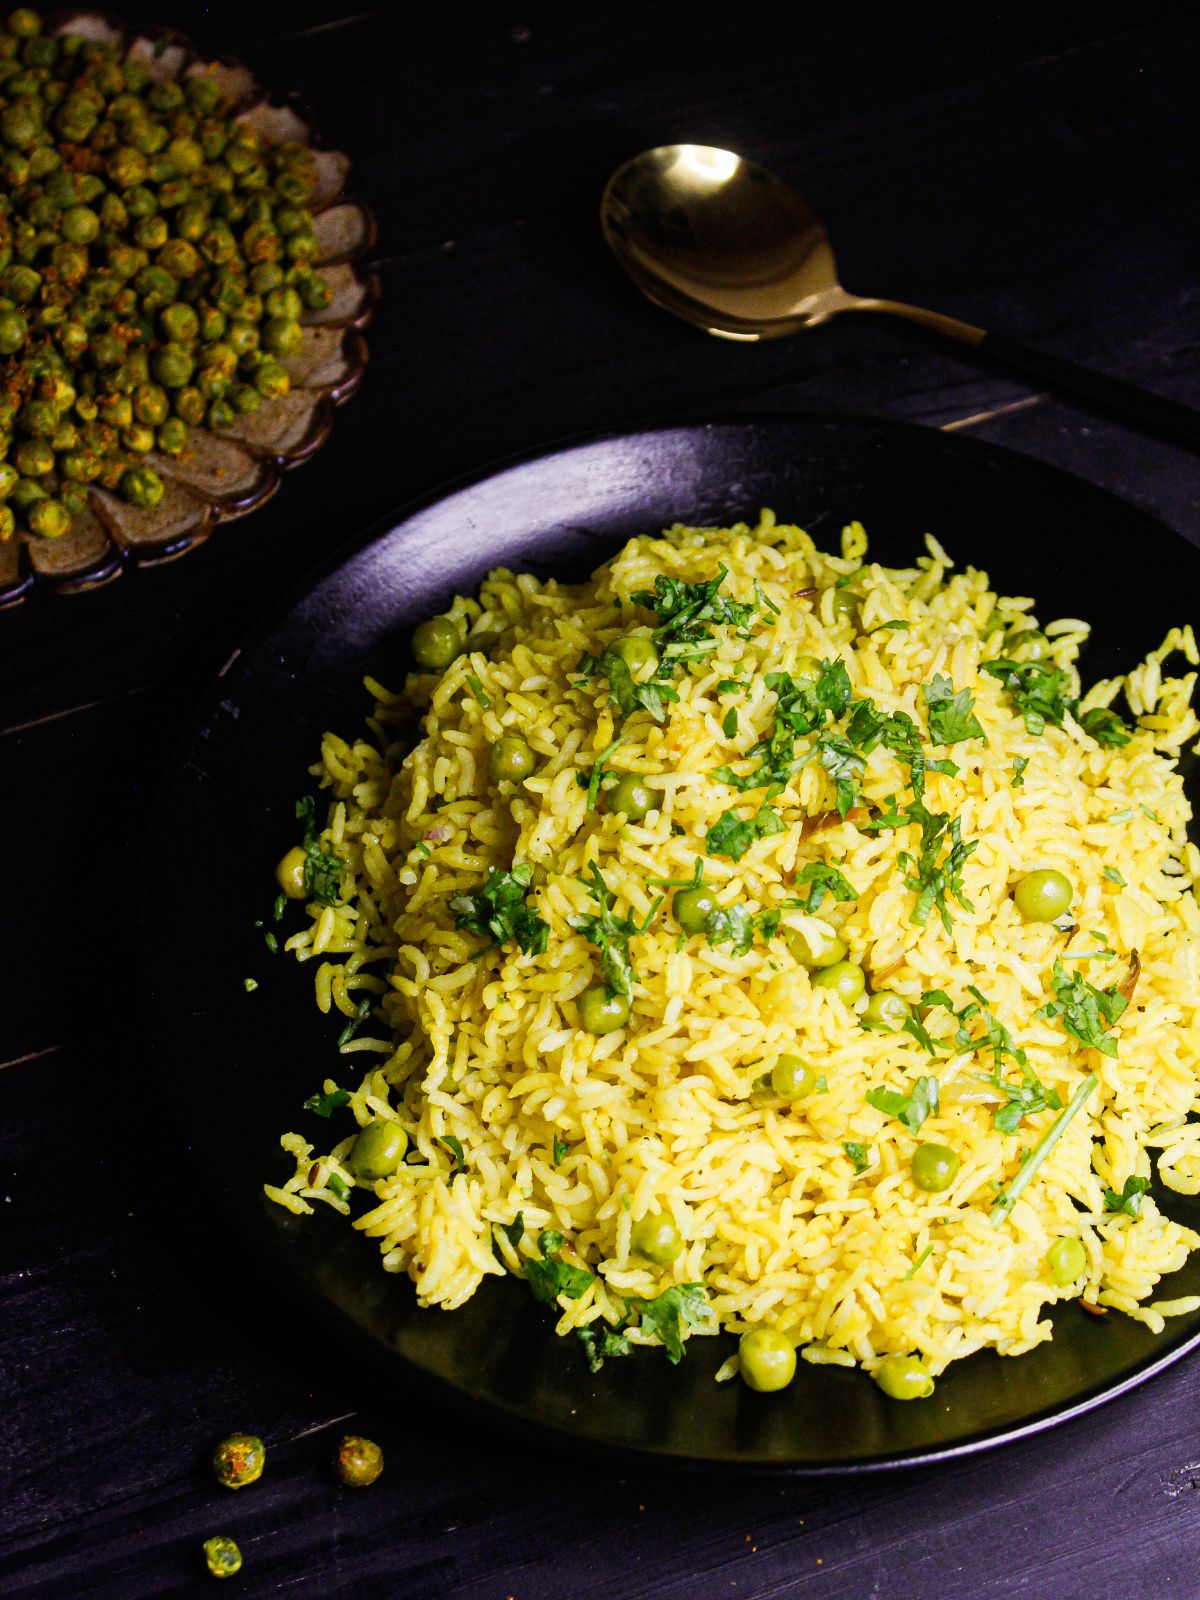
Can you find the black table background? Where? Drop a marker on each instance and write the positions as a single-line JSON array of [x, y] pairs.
[[1027, 167]]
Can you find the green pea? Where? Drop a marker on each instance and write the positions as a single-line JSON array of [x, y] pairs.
[[510, 759], [846, 605], [357, 1462], [693, 907], [903, 1378], [14, 331], [222, 1556], [934, 1167], [1067, 1259], [657, 1238], [436, 643], [239, 1460], [377, 1151], [601, 1012], [792, 1079], [845, 978], [8, 523], [79, 224], [172, 437], [271, 380], [142, 486], [179, 323], [1030, 645], [49, 519], [8, 479], [33, 458], [638, 654], [172, 366], [631, 797], [886, 1012], [814, 947], [767, 1359], [282, 336], [151, 404], [807, 669], [1044, 895]]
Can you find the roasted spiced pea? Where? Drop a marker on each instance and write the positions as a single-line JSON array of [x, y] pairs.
[[271, 380], [79, 224], [282, 336], [510, 760], [49, 519], [172, 366], [436, 643], [172, 437], [142, 486], [638, 654], [693, 907], [14, 331], [377, 1151], [934, 1167], [357, 1462], [239, 1460], [657, 1238], [151, 404], [1067, 1260], [886, 1012], [767, 1360], [1044, 895], [631, 797], [815, 946], [845, 978], [222, 1556], [601, 1012], [179, 323], [903, 1378]]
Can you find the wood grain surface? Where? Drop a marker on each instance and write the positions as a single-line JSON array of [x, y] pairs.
[[1027, 167]]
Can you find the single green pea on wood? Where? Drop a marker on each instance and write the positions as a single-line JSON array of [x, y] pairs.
[[138, 222], [357, 1462], [239, 1460], [222, 1556]]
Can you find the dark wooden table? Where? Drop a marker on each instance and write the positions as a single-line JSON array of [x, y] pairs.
[[1025, 167]]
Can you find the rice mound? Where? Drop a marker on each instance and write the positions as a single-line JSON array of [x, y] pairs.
[[479, 1051]]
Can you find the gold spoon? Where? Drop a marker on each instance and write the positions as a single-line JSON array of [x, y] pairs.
[[730, 247]]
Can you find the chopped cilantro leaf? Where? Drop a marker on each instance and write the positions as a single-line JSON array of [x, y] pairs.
[[560, 1149], [822, 880], [860, 1154], [498, 912], [325, 1104], [322, 871], [731, 835], [611, 935], [730, 686], [951, 717], [477, 690], [1024, 1099], [552, 1276], [1105, 727], [627, 694], [250, 985], [278, 908], [1114, 876], [844, 765], [919, 1262], [1085, 1011], [457, 1157], [685, 610], [1036, 690], [1017, 781], [729, 725], [592, 783], [355, 1023], [514, 1231], [910, 1109], [602, 1347], [931, 876], [1129, 1200], [667, 1314]]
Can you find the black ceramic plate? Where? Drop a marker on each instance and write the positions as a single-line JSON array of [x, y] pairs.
[[1036, 530]]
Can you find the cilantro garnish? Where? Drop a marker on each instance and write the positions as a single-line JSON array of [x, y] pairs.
[[737, 926], [498, 912], [338, 1186], [686, 610], [322, 872], [823, 880], [627, 694], [860, 1154], [845, 766], [951, 718], [1105, 727], [1007, 1198], [560, 1149], [729, 724], [602, 1347], [1024, 1099], [664, 1317], [355, 1022], [324, 1105], [477, 690], [1035, 689], [910, 1109], [1114, 876], [611, 935], [514, 1231], [931, 876], [592, 782], [249, 985], [919, 1262], [1017, 781], [731, 835], [457, 1157], [552, 1276], [1086, 1012], [1129, 1200]]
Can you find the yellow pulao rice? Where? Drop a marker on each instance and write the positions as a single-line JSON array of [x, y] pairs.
[[486, 1048]]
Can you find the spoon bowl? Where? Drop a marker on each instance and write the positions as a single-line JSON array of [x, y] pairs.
[[728, 246]]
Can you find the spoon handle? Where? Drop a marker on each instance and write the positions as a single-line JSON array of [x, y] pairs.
[[1150, 411]]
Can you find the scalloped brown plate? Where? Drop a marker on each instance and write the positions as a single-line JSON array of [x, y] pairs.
[[226, 475], [245, 759]]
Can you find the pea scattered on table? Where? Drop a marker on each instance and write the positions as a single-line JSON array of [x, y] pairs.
[[357, 1461], [222, 1556], [239, 1460]]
